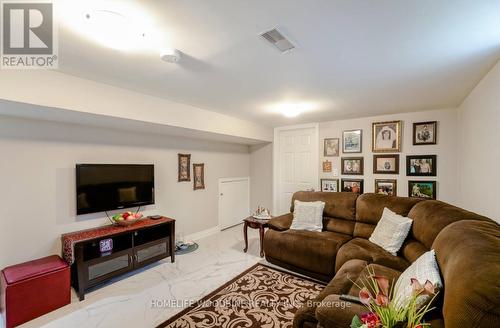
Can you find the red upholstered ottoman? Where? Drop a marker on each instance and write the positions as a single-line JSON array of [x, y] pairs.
[[34, 288]]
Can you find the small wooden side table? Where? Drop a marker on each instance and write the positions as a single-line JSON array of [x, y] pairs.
[[255, 224]]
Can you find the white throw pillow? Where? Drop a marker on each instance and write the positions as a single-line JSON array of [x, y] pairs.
[[423, 269], [391, 231], [308, 216]]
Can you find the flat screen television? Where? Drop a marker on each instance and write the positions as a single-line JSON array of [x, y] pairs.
[[105, 187]]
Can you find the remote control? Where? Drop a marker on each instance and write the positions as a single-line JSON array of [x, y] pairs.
[[350, 298]]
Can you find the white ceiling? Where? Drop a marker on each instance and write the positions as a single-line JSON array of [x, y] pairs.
[[353, 58]]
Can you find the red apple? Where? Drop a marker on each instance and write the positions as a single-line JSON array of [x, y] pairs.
[[125, 215]]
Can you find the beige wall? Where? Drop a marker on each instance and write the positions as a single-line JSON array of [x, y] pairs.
[[37, 175], [74, 95], [446, 150], [480, 147], [261, 175]]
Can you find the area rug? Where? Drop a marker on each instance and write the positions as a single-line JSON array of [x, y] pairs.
[[261, 297]]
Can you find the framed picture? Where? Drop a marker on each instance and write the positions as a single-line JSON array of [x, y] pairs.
[[352, 141], [198, 176], [352, 185], [352, 165], [425, 133], [386, 164], [330, 185], [421, 165], [184, 173], [386, 137], [327, 166], [422, 189], [331, 147], [387, 187]]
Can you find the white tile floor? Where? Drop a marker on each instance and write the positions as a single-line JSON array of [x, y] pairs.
[[127, 302]]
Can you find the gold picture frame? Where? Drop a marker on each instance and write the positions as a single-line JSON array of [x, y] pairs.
[[387, 136]]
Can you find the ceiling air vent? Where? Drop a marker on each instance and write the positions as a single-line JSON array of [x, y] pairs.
[[278, 40]]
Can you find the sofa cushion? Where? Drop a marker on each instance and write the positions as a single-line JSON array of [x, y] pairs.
[[391, 231], [469, 259], [330, 309], [369, 208], [308, 215], [312, 250], [362, 249], [432, 216], [340, 209], [340, 284], [281, 223]]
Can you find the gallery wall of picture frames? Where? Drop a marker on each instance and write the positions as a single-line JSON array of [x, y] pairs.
[[386, 141], [184, 171]]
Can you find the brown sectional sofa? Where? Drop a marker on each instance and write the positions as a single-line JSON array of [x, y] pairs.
[[467, 249]]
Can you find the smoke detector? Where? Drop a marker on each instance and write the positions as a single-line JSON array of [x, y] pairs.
[[276, 39], [171, 55]]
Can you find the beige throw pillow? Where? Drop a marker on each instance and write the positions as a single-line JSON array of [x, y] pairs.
[[423, 269], [308, 216], [391, 231]]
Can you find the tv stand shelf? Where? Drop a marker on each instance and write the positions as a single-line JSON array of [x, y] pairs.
[[97, 255]]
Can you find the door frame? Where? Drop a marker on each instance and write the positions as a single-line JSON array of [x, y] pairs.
[[276, 157], [221, 181]]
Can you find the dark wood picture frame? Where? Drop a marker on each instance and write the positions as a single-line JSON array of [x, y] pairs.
[[333, 140], [335, 181], [198, 177], [361, 165], [411, 184], [433, 169], [359, 181], [394, 183], [396, 164], [433, 141], [186, 174], [360, 150], [399, 137]]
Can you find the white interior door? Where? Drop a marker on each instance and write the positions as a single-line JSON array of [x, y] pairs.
[[296, 163], [234, 201]]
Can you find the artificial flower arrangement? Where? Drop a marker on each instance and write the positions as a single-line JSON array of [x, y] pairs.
[[387, 312]]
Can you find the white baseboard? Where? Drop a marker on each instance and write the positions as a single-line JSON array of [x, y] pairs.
[[202, 234]]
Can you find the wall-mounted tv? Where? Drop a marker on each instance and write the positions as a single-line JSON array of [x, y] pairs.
[[105, 187]]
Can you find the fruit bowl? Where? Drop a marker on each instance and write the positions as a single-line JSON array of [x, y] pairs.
[[126, 219]]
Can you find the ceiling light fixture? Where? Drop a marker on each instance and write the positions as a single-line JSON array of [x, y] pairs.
[[112, 24], [113, 29], [293, 109]]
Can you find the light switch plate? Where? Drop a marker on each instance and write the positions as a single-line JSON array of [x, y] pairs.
[[335, 172]]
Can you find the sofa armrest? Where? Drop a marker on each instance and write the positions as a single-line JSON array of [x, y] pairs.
[[281, 223], [333, 312]]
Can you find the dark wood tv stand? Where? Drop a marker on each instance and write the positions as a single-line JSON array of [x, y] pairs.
[[133, 248]]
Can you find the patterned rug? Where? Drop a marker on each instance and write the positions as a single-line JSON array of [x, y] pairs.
[[259, 297]]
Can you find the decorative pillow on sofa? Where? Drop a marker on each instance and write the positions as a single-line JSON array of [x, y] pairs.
[[308, 216], [391, 231], [423, 269]]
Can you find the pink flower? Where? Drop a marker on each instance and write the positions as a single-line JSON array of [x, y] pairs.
[[364, 296], [383, 284], [418, 289], [382, 300]]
